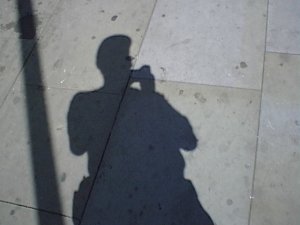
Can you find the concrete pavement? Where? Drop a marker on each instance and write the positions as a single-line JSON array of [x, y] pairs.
[[149, 112]]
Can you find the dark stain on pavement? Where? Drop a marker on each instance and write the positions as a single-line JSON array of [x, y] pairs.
[[2, 68], [63, 177], [243, 65], [8, 26], [114, 18], [200, 97]]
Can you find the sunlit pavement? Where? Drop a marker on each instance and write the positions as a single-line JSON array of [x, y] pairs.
[[149, 112]]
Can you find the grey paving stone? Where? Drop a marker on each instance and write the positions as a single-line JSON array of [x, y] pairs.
[[174, 147], [276, 192], [207, 42], [11, 59], [69, 49], [78, 122], [284, 26], [17, 215]]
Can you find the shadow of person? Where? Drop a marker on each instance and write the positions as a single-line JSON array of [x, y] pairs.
[[140, 180]]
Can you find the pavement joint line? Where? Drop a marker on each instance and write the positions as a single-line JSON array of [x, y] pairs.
[[137, 78], [18, 74], [37, 209], [70, 89], [284, 53], [199, 84], [115, 118], [259, 115]]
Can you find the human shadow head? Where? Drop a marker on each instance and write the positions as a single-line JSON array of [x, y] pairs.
[[113, 59]]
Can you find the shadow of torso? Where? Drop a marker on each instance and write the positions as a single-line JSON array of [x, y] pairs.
[[141, 177]]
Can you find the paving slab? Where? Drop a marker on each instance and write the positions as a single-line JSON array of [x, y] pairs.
[[18, 215], [78, 122], [276, 190], [178, 154], [284, 26], [207, 42], [11, 60], [69, 48]]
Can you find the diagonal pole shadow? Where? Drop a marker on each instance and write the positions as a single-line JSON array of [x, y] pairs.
[[43, 164]]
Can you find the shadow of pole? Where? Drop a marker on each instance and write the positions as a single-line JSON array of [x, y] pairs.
[[43, 165]]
